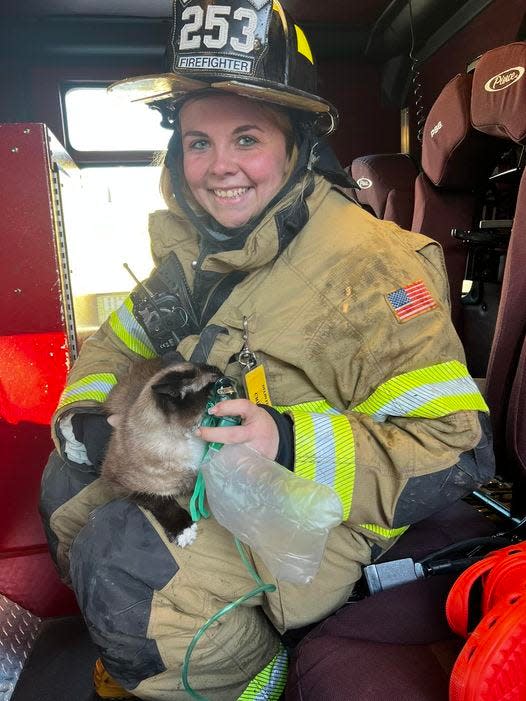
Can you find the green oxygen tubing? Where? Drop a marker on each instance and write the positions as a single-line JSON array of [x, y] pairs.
[[223, 389]]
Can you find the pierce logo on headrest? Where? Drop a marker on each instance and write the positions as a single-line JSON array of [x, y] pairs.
[[364, 183], [504, 79]]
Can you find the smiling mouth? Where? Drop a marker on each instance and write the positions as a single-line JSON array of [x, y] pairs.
[[231, 193]]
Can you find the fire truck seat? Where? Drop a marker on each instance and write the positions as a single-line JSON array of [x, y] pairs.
[[455, 160], [501, 112], [386, 185], [396, 644], [393, 645]]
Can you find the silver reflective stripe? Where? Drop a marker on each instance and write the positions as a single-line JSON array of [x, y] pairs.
[[324, 450], [126, 327], [275, 683], [418, 396], [94, 387], [97, 386], [268, 684]]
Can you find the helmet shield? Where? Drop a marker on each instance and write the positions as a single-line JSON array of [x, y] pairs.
[[249, 47], [220, 40]]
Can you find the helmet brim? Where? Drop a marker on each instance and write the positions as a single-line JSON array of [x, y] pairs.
[[170, 87]]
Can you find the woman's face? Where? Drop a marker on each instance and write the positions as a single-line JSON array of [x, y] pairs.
[[234, 156]]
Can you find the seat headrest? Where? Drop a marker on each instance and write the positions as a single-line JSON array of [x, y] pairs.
[[498, 102], [379, 174], [450, 145]]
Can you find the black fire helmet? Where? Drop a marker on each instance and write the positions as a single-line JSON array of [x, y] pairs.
[[251, 48]]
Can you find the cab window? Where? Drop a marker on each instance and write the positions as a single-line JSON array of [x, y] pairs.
[[116, 145]]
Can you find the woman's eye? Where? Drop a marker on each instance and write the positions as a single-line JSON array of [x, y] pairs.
[[246, 140], [198, 145]]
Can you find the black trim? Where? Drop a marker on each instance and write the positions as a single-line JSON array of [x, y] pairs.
[[521, 34], [218, 294], [435, 23], [61, 481], [118, 563], [426, 494], [465, 14], [94, 431], [285, 426], [207, 338]]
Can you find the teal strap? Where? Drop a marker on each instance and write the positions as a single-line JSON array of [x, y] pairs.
[[197, 501]]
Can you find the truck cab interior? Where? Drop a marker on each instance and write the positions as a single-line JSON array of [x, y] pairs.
[[432, 103]]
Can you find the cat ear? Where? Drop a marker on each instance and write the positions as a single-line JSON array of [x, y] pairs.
[[171, 391]]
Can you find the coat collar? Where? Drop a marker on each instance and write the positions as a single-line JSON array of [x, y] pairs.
[[170, 233]]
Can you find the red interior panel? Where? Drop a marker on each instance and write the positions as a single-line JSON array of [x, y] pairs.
[[33, 359]]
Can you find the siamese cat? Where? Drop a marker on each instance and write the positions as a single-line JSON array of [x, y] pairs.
[[153, 455]]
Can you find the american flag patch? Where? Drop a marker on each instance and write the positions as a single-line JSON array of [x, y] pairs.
[[410, 301]]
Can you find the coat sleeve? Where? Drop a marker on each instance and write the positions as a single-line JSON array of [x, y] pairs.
[[413, 434], [395, 471], [103, 359]]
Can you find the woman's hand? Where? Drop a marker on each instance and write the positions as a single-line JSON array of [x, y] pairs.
[[258, 429]]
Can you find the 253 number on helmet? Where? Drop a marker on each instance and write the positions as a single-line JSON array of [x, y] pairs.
[[216, 24]]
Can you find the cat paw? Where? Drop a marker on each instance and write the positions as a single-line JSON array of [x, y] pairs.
[[187, 536]]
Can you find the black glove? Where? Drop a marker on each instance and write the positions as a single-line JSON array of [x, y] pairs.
[[94, 431], [285, 454]]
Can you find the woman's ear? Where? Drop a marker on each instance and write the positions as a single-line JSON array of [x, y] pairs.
[[114, 419]]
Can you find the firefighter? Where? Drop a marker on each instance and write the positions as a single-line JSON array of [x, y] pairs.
[[348, 315]]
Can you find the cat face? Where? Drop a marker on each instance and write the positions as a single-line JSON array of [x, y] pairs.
[[155, 409], [181, 391]]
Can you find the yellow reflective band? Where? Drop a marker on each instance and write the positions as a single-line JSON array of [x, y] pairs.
[[430, 392], [304, 434], [94, 387], [346, 462], [317, 407], [448, 405], [384, 532], [303, 44], [127, 329], [268, 685], [325, 452], [276, 6]]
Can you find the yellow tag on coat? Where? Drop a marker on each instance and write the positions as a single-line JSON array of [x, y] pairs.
[[256, 386]]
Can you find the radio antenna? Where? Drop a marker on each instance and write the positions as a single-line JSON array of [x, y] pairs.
[[144, 289]]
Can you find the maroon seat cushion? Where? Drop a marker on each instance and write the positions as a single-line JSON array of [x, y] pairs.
[[397, 644], [516, 434], [386, 185], [436, 213], [510, 327], [498, 101], [453, 153]]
